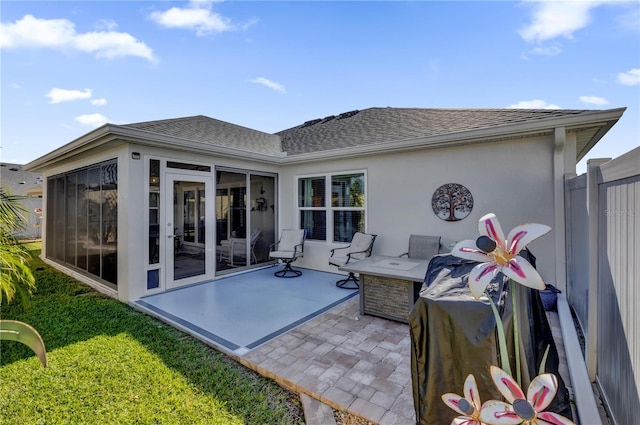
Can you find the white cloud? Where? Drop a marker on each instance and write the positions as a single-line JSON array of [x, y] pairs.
[[112, 45], [630, 77], [197, 16], [31, 32], [99, 102], [555, 19], [594, 100], [271, 84], [62, 95], [15, 86], [552, 50], [106, 25], [93, 120], [533, 104]]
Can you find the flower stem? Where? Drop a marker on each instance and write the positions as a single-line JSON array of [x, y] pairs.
[[516, 343], [502, 343]]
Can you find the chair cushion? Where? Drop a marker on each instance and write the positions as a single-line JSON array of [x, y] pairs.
[[290, 238], [338, 261], [360, 242], [284, 255]]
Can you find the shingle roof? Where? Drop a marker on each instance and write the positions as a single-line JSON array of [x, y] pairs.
[[362, 128], [18, 181], [215, 132], [376, 125]]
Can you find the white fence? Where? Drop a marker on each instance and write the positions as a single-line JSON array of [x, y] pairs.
[[603, 282]]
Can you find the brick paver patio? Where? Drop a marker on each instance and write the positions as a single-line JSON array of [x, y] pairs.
[[359, 364]]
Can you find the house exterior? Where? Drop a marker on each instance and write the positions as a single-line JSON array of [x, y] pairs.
[[28, 186], [144, 208]]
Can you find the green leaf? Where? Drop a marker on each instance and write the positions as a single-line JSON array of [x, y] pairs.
[[14, 330]]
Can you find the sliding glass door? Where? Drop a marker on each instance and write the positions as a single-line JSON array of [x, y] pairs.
[[245, 218]]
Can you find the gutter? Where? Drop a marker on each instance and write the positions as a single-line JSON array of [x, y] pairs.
[[111, 132], [589, 119], [584, 397]]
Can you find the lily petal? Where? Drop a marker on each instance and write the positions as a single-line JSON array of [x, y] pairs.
[[552, 418], [480, 276], [488, 225], [507, 386], [471, 392], [520, 236], [499, 413], [522, 272], [468, 250], [542, 390], [452, 400]]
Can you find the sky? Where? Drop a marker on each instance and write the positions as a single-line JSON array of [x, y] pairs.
[[68, 67]]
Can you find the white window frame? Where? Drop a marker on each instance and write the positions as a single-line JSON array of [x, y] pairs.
[[327, 207]]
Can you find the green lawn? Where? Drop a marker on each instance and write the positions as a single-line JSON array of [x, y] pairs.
[[109, 364]]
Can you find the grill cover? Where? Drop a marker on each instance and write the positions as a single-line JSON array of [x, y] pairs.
[[454, 335]]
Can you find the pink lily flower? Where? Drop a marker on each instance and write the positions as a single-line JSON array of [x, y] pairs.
[[497, 254], [468, 406], [527, 410]]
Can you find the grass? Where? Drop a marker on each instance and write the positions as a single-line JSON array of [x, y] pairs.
[[109, 364]]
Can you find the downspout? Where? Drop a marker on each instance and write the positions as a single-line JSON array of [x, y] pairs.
[[559, 154], [583, 395]]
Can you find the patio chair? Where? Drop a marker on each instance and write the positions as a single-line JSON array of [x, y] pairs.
[[422, 247], [289, 247], [237, 247], [360, 248]]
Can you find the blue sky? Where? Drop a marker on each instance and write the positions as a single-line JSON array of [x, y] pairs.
[[68, 67]]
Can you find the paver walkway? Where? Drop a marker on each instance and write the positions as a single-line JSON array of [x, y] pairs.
[[353, 363], [359, 364]]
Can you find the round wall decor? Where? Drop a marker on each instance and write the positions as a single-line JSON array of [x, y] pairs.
[[452, 202]]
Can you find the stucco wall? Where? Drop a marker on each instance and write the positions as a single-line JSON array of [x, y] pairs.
[[512, 179]]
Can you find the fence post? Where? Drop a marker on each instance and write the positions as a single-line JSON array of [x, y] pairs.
[[591, 348]]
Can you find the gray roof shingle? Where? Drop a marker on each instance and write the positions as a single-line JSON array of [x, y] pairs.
[[377, 125], [358, 128], [18, 181], [214, 132]]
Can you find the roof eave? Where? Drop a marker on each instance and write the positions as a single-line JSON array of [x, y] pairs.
[[148, 138], [109, 133], [588, 119], [74, 147]]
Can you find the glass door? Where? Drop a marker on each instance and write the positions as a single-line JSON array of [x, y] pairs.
[[245, 219], [188, 215]]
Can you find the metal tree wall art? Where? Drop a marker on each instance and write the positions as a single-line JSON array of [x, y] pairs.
[[452, 202]]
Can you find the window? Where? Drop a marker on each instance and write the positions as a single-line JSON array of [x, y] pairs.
[[341, 214], [154, 211], [82, 219]]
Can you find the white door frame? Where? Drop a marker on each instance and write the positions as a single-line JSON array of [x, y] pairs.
[[209, 251]]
